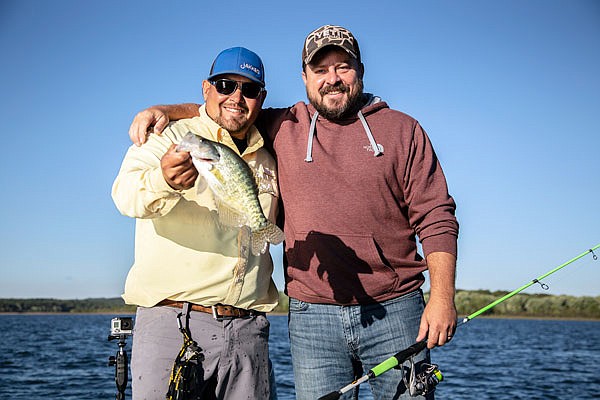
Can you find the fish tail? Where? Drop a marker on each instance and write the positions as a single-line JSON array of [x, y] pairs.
[[270, 233]]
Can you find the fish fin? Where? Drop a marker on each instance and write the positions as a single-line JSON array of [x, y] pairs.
[[270, 233], [201, 184], [228, 215]]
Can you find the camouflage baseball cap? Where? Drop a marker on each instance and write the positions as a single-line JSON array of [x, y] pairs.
[[329, 35]]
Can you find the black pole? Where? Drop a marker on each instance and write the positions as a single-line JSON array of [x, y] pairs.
[[120, 363]]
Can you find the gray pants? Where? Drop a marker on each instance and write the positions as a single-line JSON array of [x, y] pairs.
[[236, 353]]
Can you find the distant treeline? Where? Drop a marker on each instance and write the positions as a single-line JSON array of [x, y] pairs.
[[528, 305], [96, 305], [467, 302]]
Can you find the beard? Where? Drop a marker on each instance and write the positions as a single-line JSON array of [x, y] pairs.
[[339, 111], [233, 125]]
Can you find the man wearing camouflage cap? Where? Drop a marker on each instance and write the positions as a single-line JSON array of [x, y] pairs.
[[359, 183]]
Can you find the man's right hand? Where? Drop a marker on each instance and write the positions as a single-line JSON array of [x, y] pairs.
[[153, 119], [177, 168]]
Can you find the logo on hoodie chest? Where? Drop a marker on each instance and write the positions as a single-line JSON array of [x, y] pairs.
[[370, 148]]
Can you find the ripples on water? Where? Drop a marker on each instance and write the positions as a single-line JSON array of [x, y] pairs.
[[65, 357]]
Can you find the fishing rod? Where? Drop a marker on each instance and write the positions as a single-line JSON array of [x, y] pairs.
[[427, 383]]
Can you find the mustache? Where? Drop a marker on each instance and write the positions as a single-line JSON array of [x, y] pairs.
[[337, 87], [236, 105]]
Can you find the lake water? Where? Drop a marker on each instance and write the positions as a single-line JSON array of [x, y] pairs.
[[65, 357]]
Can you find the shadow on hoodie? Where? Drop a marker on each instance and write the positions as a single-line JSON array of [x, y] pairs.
[[337, 269]]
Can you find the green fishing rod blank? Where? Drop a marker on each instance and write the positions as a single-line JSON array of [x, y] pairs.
[[534, 281]]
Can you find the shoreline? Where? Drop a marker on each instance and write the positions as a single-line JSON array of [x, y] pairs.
[[95, 313], [284, 314]]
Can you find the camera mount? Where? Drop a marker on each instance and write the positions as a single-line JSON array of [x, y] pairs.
[[120, 329]]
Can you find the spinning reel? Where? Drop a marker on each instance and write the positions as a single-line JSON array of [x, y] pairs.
[[425, 381]]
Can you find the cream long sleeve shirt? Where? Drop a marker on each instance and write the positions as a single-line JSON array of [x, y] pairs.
[[182, 251]]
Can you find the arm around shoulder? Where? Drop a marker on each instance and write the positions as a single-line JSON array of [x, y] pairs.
[[156, 118]]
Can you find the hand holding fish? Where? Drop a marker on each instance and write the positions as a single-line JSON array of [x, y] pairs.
[[177, 168]]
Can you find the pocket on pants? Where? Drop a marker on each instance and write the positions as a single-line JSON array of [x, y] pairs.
[[156, 324], [298, 305]]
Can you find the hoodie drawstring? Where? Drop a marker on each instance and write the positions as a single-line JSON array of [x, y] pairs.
[[311, 135], [377, 148]]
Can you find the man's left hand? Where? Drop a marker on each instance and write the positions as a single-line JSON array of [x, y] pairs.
[[438, 322]]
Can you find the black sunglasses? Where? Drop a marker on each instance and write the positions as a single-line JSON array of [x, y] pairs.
[[250, 90]]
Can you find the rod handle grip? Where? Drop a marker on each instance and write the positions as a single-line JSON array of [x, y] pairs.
[[398, 358]]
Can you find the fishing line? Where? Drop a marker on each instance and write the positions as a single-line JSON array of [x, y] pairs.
[[403, 355]]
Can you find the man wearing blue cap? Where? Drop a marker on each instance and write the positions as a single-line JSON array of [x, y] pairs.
[[194, 277]]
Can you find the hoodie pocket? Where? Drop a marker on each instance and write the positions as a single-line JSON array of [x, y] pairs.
[[339, 268]]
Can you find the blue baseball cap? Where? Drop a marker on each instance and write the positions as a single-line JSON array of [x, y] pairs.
[[239, 61]]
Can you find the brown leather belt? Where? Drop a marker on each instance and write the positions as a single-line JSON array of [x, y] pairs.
[[218, 311]]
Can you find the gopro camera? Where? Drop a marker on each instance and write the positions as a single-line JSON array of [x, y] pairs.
[[121, 326]]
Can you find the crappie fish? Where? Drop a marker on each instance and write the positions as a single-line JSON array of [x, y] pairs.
[[234, 187]]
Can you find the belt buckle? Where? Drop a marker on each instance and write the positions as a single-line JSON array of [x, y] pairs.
[[216, 314], [218, 317]]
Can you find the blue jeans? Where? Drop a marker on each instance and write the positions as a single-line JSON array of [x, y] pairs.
[[333, 345]]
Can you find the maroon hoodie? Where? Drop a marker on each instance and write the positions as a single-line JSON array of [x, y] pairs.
[[350, 217]]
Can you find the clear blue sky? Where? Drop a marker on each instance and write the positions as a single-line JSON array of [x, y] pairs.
[[509, 92]]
